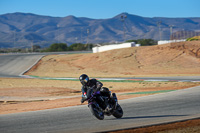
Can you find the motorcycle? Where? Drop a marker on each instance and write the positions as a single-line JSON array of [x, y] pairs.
[[100, 105]]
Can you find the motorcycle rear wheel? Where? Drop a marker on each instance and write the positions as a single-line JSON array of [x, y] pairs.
[[98, 114], [118, 112]]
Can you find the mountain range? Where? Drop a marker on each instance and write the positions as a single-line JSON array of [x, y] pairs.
[[23, 30]]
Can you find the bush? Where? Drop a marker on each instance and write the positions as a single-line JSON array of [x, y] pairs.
[[195, 38], [77, 47], [80, 47], [57, 47]]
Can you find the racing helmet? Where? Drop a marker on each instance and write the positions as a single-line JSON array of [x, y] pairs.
[[84, 79]]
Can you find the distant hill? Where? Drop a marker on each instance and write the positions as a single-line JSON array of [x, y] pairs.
[[26, 29]]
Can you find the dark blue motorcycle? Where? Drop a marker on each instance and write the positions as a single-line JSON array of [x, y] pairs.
[[101, 105]]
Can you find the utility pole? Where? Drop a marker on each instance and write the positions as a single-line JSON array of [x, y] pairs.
[[171, 31], [14, 38], [123, 17], [88, 31], [58, 33], [81, 34], [158, 24], [184, 32], [31, 50]]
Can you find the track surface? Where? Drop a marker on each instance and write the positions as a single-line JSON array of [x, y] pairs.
[[14, 65], [148, 110]]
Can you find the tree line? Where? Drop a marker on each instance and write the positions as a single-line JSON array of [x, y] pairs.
[[58, 47]]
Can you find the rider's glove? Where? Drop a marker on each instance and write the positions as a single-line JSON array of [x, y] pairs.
[[84, 98]]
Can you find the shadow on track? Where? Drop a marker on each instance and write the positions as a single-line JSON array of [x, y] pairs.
[[146, 117]]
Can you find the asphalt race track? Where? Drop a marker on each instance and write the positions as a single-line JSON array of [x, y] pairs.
[[142, 111], [12, 65], [148, 110]]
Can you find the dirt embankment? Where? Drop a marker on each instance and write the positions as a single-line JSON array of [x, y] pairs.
[[173, 59]]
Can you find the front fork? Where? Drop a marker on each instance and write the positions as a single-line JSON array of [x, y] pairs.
[[115, 100]]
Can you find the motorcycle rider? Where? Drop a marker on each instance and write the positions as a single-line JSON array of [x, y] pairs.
[[89, 85]]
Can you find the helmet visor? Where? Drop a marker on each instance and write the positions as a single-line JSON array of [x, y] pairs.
[[85, 81]]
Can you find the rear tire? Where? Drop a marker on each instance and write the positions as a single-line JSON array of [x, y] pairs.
[[98, 114], [118, 112]]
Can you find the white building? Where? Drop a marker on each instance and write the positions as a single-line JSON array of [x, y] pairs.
[[114, 46]]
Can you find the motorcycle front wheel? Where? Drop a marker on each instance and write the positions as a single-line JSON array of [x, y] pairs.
[[118, 112], [97, 113]]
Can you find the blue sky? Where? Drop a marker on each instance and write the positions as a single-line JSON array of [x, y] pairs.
[[103, 8]]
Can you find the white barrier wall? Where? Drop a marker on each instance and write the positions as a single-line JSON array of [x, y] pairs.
[[170, 41], [114, 46]]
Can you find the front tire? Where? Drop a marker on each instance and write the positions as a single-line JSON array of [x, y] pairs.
[[98, 114], [118, 112]]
